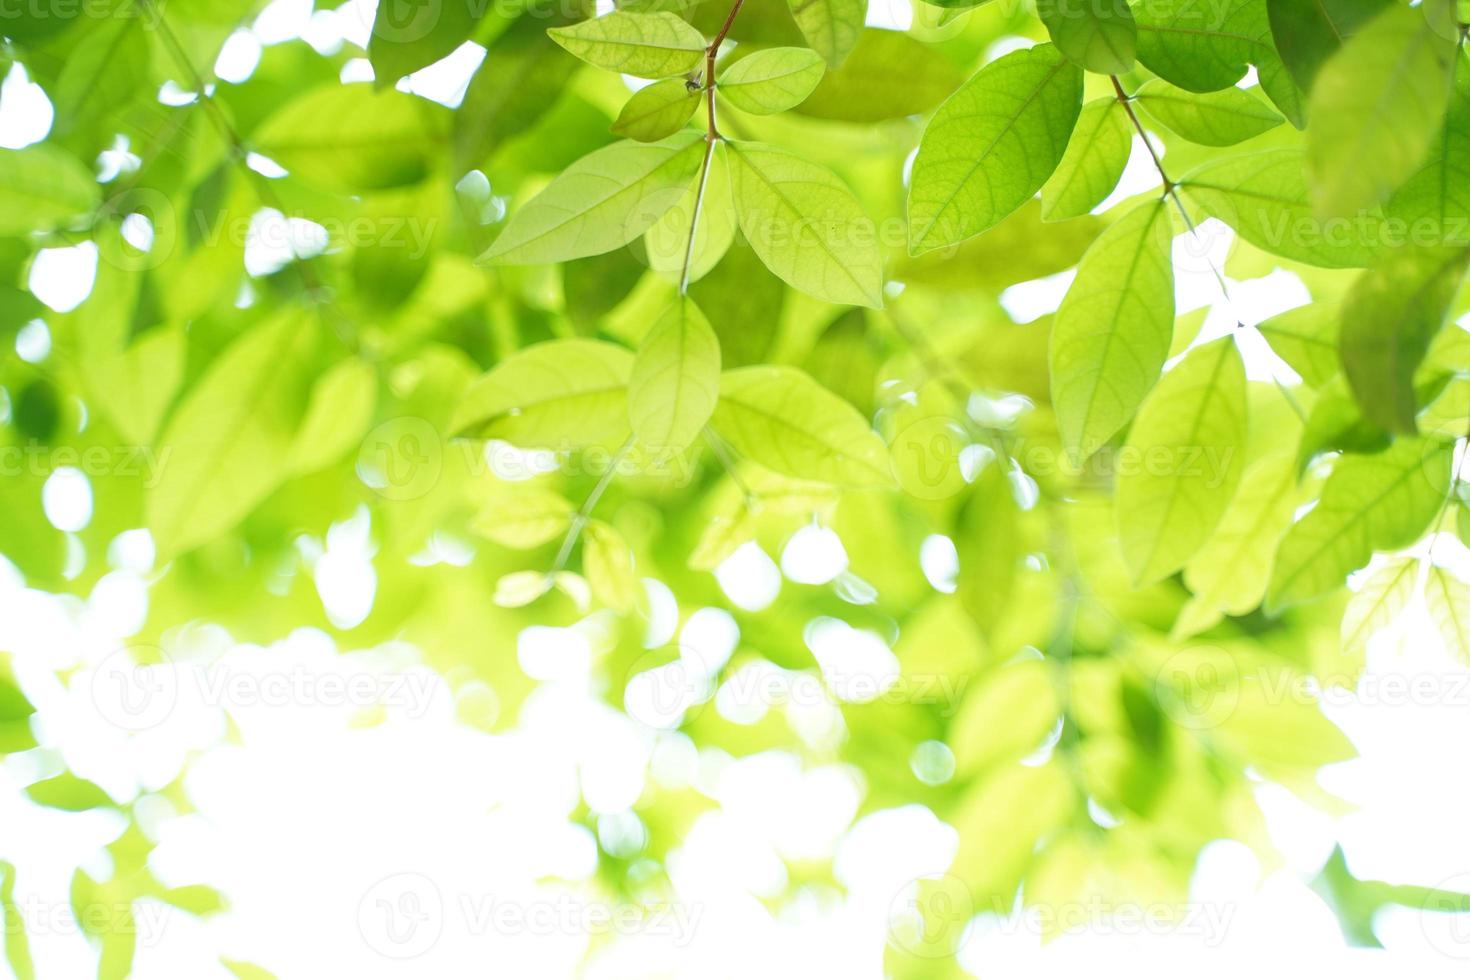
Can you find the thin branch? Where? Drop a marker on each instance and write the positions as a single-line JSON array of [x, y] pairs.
[[584, 513]]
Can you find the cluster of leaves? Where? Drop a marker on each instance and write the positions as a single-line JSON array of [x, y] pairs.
[[725, 306]]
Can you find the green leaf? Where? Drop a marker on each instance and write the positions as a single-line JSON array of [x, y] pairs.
[[1433, 206], [991, 146], [1448, 601], [782, 419], [1308, 32], [69, 792], [1199, 45], [1112, 331], [1221, 118], [1264, 197], [805, 225], [1093, 163], [523, 517], [1306, 339], [102, 74], [555, 395], [667, 241], [772, 80], [889, 75], [1369, 503], [601, 202], [1099, 36], [831, 27], [349, 138], [228, 440], [1182, 461], [42, 188], [1389, 319], [676, 379], [1228, 575], [657, 111], [409, 34], [1375, 108], [337, 416], [17, 935], [519, 81], [607, 562], [653, 45], [1378, 603]]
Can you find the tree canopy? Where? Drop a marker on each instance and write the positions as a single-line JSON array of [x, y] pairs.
[[666, 306]]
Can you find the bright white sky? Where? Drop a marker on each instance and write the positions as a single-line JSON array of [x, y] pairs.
[[343, 848]]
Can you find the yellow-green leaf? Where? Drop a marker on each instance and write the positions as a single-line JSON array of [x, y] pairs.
[[805, 225], [601, 202], [676, 379], [1182, 461], [1448, 601], [782, 419], [656, 111], [1094, 161], [1112, 331], [772, 80], [560, 394], [991, 146], [831, 27], [1378, 603], [1369, 503], [1221, 118], [648, 45]]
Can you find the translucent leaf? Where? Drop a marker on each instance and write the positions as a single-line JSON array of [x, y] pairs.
[[1369, 503], [772, 80], [805, 225], [659, 110], [1100, 37], [561, 394], [831, 27], [1182, 461], [1094, 161], [1264, 197], [523, 517], [1433, 206], [1112, 331], [1228, 575], [991, 146], [1306, 339], [349, 138], [648, 45], [1378, 603], [601, 202], [1375, 107], [676, 379], [1389, 318], [666, 243], [607, 562], [228, 440], [782, 419], [1221, 118], [1448, 601]]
